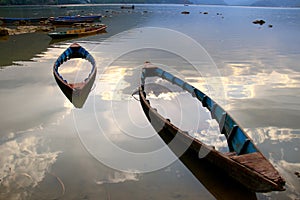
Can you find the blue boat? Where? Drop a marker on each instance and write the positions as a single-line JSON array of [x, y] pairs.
[[244, 162], [69, 20], [77, 93]]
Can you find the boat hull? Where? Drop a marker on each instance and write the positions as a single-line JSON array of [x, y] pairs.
[[251, 169], [77, 32], [76, 96], [77, 93]]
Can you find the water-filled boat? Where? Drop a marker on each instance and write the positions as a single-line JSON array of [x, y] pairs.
[[244, 162], [78, 32], [78, 92]]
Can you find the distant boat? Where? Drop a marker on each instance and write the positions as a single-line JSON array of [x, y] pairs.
[[22, 20], [78, 32], [244, 163], [127, 7], [77, 93], [69, 20]]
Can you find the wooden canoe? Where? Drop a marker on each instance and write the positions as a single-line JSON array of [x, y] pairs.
[[244, 163], [77, 93], [78, 32]]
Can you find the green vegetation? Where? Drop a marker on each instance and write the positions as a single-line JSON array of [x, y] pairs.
[[140, 1], [26, 2], [37, 2], [52, 2]]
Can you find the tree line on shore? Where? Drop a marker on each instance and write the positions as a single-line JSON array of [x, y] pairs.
[[56, 2], [34, 2]]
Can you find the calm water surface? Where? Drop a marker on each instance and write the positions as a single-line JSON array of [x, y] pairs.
[[107, 149]]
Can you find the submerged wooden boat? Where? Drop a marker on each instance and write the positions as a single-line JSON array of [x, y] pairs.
[[244, 163], [69, 20], [77, 93], [78, 32]]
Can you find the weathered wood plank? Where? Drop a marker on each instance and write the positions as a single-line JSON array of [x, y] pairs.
[[256, 161]]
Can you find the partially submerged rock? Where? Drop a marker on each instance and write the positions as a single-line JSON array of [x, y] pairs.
[[185, 12], [259, 21], [4, 31]]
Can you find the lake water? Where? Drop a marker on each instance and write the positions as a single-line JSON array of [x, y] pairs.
[[107, 149]]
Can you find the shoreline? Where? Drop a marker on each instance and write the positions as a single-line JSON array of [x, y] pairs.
[[14, 45]]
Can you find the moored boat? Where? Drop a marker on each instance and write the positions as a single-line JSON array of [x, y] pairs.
[[244, 162], [127, 7], [69, 20], [77, 93], [78, 32]]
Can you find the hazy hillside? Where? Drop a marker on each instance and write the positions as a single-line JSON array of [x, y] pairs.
[[276, 3], [264, 3], [286, 3], [209, 2]]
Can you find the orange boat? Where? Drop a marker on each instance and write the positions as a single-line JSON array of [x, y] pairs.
[[78, 32]]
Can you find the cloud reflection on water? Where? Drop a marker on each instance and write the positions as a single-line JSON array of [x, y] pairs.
[[109, 80], [23, 164], [252, 86], [259, 135], [119, 177]]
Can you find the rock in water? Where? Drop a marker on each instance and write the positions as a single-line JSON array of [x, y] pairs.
[[259, 21], [3, 32]]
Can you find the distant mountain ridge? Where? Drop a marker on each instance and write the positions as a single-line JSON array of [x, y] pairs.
[[264, 3], [268, 3], [209, 2], [285, 3]]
